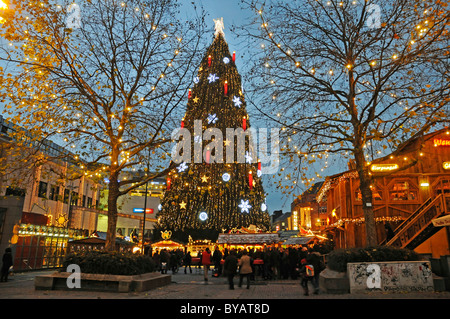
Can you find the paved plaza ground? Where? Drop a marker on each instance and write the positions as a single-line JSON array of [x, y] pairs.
[[192, 286], [190, 291]]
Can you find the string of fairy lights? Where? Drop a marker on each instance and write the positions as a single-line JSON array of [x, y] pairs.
[[72, 115], [277, 42], [211, 194]]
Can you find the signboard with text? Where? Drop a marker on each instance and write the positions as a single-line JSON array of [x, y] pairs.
[[141, 211]]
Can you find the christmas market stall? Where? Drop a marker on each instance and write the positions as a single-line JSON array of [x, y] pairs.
[[199, 245], [299, 241], [303, 238], [168, 244], [248, 241], [96, 242]]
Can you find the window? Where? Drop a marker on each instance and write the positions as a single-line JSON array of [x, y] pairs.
[[84, 201], [54, 192], [402, 191], [443, 187], [66, 196], [74, 199], [377, 194], [42, 191], [15, 191], [89, 202]]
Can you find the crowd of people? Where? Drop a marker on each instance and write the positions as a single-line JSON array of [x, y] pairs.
[[271, 263]]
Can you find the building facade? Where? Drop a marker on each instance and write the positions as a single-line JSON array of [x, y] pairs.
[[410, 188], [131, 209], [41, 209], [307, 212]]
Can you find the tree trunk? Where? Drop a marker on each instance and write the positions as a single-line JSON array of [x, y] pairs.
[[113, 195], [366, 193]]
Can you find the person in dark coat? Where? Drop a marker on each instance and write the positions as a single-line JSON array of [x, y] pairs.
[[7, 263], [230, 267], [217, 258], [304, 276], [187, 260], [389, 232], [315, 260], [173, 262]]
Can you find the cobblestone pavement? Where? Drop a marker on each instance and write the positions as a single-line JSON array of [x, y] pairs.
[[193, 287]]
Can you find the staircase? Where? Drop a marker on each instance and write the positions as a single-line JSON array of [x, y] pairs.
[[418, 227]]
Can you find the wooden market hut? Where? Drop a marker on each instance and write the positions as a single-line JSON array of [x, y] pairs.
[[410, 187], [248, 241], [96, 242], [297, 241], [168, 244]]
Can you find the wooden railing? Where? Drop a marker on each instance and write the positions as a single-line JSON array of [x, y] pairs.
[[418, 227]]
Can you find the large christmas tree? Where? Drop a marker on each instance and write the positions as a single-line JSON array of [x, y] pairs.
[[218, 188]]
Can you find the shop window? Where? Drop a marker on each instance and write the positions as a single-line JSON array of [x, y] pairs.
[[42, 191], [402, 191]]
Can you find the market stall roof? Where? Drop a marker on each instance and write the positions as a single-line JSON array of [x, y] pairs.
[[168, 243], [298, 240], [99, 238], [249, 239], [285, 234]]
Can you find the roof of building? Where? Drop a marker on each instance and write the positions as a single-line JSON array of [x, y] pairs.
[[282, 217], [352, 173]]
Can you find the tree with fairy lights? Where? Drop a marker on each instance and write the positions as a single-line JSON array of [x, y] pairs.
[[103, 78], [216, 185], [351, 78]]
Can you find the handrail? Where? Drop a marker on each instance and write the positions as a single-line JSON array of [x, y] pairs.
[[399, 231], [407, 220]]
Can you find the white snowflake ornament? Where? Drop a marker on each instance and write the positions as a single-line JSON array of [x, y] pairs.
[[212, 78], [237, 101], [212, 118], [245, 206]]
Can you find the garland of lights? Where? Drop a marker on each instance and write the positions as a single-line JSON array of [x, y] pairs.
[[327, 184], [215, 195], [361, 220]]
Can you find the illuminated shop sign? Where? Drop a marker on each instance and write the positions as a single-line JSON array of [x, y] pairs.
[[441, 142], [379, 168], [295, 219], [141, 210]]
